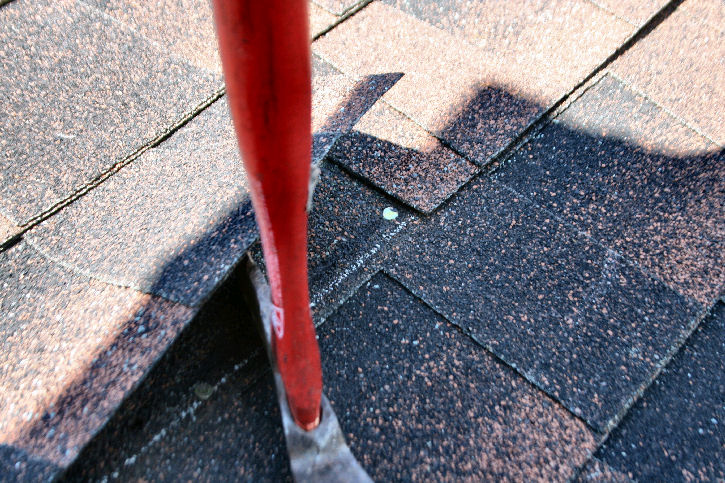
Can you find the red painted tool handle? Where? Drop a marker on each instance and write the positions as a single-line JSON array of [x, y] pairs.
[[265, 53]]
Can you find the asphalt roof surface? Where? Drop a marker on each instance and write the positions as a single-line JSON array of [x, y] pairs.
[[515, 248]]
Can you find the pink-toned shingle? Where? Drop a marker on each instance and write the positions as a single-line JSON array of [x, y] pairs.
[[72, 349], [80, 93], [403, 159], [476, 89], [681, 65], [637, 12]]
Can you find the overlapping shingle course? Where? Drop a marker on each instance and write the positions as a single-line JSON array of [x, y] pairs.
[[582, 263]]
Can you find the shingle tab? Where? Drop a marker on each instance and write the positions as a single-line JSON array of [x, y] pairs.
[[575, 318], [405, 161], [184, 28], [479, 88], [212, 396], [680, 65], [420, 401], [72, 348], [624, 171], [80, 93], [172, 223], [177, 219], [403, 381], [675, 432]]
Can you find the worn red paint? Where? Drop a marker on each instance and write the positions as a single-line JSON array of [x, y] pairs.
[[265, 54]]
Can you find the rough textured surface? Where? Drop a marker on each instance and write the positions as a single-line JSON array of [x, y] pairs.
[[582, 266], [139, 441], [542, 46], [636, 12], [175, 221], [382, 39], [689, 56], [630, 175], [236, 434], [184, 28], [576, 319], [481, 92], [676, 432], [72, 349], [515, 431], [320, 19], [597, 471], [348, 237], [338, 7], [7, 230], [711, 12], [81, 92], [172, 223], [395, 154], [419, 401], [339, 101]]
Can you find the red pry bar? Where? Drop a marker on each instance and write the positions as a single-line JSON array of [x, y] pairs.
[[265, 52]]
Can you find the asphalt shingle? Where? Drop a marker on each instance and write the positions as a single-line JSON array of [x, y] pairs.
[[320, 19], [388, 393], [575, 318], [582, 264], [635, 12], [184, 28], [542, 47], [625, 172], [235, 434], [72, 348], [176, 220], [80, 93], [148, 436], [7, 230], [597, 471], [711, 12], [676, 432], [420, 401], [436, 67], [478, 95], [681, 66], [349, 237], [395, 154], [172, 223], [338, 7]]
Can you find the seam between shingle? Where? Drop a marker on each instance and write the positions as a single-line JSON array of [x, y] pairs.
[[636, 90], [575, 476], [676, 348], [158, 139], [613, 13], [555, 108], [345, 10], [572, 227], [193, 405], [701, 312], [347, 14], [104, 280], [466, 332]]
